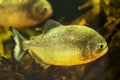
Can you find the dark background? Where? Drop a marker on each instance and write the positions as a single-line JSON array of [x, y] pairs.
[[67, 12]]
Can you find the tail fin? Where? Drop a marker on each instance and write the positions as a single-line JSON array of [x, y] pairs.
[[18, 51]]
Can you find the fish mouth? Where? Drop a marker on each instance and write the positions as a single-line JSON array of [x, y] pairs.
[[103, 52], [88, 59], [92, 58]]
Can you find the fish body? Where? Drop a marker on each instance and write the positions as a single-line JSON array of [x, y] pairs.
[[62, 45], [23, 13]]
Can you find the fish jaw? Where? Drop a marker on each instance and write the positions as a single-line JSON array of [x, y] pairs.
[[101, 54], [95, 57]]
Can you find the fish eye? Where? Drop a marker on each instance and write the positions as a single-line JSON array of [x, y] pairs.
[[44, 9], [101, 46]]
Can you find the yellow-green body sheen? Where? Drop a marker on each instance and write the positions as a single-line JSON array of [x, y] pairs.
[[67, 45]]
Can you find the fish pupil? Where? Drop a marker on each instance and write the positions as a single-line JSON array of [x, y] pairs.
[[101, 46], [45, 9]]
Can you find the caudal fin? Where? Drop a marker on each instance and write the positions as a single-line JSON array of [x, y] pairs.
[[18, 51]]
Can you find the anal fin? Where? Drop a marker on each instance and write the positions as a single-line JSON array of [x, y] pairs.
[[39, 60]]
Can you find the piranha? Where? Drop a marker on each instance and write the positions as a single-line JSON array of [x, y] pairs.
[[61, 45], [24, 13]]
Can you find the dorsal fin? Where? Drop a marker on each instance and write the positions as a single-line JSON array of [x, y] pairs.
[[50, 24]]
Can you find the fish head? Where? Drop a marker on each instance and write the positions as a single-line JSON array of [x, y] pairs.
[[94, 48], [41, 10]]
